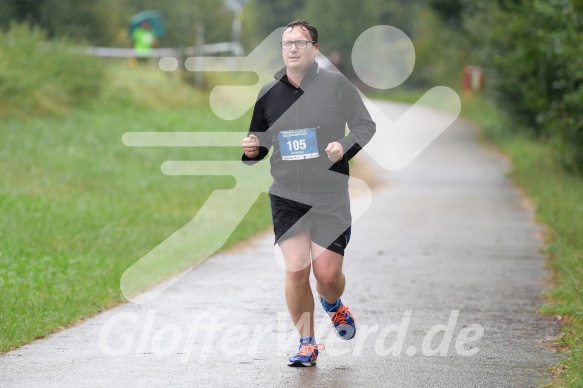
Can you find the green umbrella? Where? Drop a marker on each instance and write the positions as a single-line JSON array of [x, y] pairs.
[[153, 17]]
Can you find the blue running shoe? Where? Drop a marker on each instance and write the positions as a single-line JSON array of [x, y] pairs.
[[342, 320], [307, 355]]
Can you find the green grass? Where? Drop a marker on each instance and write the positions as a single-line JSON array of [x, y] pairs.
[[78, 207], [38, 77], [558, 198]]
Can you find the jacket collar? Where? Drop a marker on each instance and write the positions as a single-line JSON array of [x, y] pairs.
[[311, 73]]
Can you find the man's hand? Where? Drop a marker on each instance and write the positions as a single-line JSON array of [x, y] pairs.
[[335, 151], [251, 146]]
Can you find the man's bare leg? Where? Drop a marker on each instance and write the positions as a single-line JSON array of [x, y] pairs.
[[328, 273], [298, 294], [330, 285]]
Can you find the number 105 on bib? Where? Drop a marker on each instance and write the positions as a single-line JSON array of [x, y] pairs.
[[296, 144]]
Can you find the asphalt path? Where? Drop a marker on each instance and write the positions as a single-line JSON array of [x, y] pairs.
[[444, 276]]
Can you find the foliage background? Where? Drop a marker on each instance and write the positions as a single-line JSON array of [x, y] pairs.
[[530, 50]]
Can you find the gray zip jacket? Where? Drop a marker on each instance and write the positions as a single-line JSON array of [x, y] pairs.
[[324, 103]]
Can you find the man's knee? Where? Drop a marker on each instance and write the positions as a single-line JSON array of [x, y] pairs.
[[330, 280]]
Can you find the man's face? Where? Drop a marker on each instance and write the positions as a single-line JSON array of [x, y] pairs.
[[298, 59]]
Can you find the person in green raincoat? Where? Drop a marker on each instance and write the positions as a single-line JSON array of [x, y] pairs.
[[143, 40]]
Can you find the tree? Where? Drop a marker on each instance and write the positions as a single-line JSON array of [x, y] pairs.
[[450, 11], [105, 22], [339, 24], [261, 17], [532, 52]]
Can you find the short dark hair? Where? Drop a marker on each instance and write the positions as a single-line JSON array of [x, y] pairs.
[[306, 27]]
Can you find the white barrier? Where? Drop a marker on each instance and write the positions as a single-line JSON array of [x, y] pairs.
[[110, 52]]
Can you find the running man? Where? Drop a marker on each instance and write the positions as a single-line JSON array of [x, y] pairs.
[[303, 115]]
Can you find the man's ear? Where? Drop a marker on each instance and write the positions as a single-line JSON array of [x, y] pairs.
[[317, 47]]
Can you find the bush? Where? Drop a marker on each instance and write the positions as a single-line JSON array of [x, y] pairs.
[[41, 77], [534, 58], [563, 54]]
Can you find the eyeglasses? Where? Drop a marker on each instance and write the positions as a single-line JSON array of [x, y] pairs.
[[300, 44]]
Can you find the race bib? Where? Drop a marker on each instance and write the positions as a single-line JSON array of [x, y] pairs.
[[298, 144]]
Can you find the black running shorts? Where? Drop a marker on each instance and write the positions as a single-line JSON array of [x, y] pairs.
[[326, 215]]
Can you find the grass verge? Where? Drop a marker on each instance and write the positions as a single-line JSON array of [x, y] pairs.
[[78, 207]]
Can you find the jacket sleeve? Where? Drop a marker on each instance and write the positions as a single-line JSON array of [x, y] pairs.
[[258, 127], [360, 125]]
